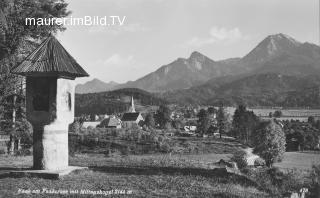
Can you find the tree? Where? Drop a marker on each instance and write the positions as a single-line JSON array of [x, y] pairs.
[[149, 120], [203, 121], [270, 142], [163, 116], [212, 110], [311, 120], [317, 124], [17, 40], [222, 121], [244, 123], [177, 123], [14, 29], [277, 114], [75, 127], [238, 120], [270, 114]]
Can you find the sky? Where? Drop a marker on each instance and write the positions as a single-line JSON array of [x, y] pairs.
[[157, 32]]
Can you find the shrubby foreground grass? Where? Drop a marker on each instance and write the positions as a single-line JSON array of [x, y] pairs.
[[161, 175], [150, 176], [186, 171]]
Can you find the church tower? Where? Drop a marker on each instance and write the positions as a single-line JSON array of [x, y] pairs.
[[132, 108]]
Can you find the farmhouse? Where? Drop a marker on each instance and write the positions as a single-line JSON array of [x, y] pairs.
[[190, 128], [90, 124], [111, 122]]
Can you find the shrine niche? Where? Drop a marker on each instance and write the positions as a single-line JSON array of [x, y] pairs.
[[40, 97]]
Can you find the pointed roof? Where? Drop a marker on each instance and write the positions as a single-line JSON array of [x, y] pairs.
[[131, 116], [50, 59], [132, 109], [110, 122]]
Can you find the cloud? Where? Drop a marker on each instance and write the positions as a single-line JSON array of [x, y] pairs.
[[117, 60], [117, 67], [131, 28], [218, 34], [224, 34]]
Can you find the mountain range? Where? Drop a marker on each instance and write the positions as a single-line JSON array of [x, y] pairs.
[[95, 86], [278, 64]]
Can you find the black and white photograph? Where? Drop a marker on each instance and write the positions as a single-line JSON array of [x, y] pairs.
[[160, 98]]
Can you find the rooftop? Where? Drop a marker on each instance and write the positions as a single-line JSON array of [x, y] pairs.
[[130, 116], [50, 59]]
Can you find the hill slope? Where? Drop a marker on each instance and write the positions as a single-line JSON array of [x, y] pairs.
[[268, 89]]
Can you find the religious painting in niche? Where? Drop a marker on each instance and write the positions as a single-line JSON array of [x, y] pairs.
[[40, 99], [69, 101], [66, 101]]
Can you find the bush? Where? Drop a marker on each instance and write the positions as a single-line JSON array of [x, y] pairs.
[[165, 148], [259, 162], [2, 151], [240, 159], [275, 181], [74, 144], [74, 127], [277, 114], [315, 181], [124, 150], [24, 131], [136, 141]]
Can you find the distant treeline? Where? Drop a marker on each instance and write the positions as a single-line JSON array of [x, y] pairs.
[[116, 101]]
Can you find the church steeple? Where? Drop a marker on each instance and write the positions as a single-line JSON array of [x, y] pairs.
[[132, 109]]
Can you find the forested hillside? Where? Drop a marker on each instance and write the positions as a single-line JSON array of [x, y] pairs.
[[116, 101], [259, 90]]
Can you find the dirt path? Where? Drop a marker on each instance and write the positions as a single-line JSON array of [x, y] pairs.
[[250, 156]]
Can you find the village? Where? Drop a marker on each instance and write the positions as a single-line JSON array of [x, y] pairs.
[[181, 120]]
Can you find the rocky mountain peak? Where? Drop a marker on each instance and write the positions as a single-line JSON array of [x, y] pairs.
[[269, 47], [197, 56]]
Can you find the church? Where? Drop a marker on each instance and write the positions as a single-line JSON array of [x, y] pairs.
[[131, 118]]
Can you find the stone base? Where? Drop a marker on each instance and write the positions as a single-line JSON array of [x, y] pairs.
[[46, 174]]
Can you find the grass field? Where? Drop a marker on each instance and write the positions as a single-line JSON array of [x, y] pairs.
[[145, 176], [299, 160], [287, 114], [161, 175]]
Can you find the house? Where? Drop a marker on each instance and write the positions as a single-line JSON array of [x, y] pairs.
[[189, 128], [111, 122], [90, 124], [131, 118]]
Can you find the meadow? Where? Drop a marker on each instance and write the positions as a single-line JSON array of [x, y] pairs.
[[287, 114], [299, 160], [152, 175]]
